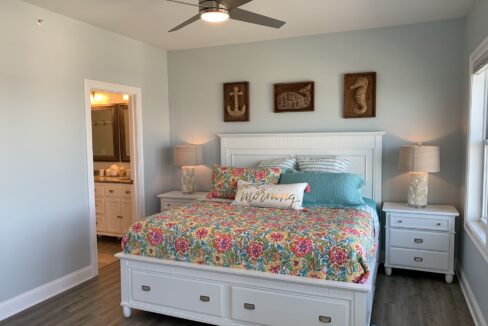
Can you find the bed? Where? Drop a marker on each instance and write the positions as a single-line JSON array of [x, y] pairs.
[[217, 283]]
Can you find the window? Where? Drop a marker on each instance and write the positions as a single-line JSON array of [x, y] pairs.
[[476, 208]]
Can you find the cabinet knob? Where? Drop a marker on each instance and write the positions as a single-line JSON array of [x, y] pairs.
[[249, 306], [204, 298], [118, 216], [417, 240], [111, 191], [399, 221], [418, 259], [127, 192], [438, 224], [325, 319]]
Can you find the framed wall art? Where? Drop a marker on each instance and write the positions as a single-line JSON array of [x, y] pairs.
[[236, 101], [360, 95], [294, 97]]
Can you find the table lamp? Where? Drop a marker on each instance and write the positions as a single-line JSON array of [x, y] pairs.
[[419, 160], [188, 156]]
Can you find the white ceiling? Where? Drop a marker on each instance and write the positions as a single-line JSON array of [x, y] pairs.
[[150, 20]]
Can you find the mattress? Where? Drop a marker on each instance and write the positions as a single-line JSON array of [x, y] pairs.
[[332, 243]]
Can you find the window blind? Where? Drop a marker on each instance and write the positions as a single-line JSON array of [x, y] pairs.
[[481, 63]]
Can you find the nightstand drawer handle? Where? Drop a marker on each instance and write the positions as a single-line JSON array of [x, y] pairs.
[[325, 319], [146, 288], [399, 221], [418, 259], [249, 306], [204, 298], [417, 240], [438, 224]]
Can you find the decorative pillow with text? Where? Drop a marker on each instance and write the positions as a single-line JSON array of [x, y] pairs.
[[289, 196]]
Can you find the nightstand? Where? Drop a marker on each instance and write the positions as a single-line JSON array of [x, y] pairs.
[[174, 199], [420, 238]]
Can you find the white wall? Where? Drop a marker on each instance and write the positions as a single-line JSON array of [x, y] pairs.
[[44, 222], [419, 93]]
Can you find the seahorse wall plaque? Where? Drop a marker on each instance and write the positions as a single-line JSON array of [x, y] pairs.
[[294, 97], [236, 101], [360, 95]]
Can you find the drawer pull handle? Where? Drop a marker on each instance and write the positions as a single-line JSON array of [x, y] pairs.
[[127, 192], [118, 216], [249, 306], [204, 298], [417, 240], [418, 259], [111, 191], [438, 224], [399, 221], [325, 319], [146, 288]]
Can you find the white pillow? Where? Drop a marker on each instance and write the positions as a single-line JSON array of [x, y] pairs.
[[283, 163], [334, 164], [285, 196]]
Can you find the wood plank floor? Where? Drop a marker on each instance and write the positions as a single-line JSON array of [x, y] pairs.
[[404, 299], [107, 248]]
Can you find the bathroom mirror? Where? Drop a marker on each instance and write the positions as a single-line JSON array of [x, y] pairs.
[[124, 129], [105, 133]]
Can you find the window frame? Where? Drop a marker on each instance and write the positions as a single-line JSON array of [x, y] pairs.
[[476, 193]]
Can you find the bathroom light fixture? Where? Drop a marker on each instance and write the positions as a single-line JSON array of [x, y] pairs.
[[125, 97]]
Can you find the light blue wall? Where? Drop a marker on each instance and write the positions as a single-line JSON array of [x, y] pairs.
[[44, 222], [419, 93], [472, 262]]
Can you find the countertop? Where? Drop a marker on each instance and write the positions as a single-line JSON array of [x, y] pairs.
[[125, 180]]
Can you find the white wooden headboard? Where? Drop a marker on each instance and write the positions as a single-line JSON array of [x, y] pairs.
[[363, 149]]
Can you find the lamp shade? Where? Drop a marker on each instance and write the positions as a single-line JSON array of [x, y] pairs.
[[188, 155], [419, 158]]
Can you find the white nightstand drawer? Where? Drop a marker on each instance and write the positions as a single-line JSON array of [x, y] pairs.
[[419, 240], [420, 259], [428, 223], [169, 204]]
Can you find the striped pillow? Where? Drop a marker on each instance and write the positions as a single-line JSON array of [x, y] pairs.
[[330, 164], [283, 163]]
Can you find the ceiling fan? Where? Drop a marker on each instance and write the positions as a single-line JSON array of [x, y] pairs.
[[215, 11]]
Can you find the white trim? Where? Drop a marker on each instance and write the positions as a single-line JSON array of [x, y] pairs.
[[473, 305], [136, 153], [32, 297], [473, 211]]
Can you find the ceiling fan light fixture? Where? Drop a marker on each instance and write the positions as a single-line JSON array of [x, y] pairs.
[[216, 16]]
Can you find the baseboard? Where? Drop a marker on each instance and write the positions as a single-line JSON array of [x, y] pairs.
[[473, 306], [32, 297]]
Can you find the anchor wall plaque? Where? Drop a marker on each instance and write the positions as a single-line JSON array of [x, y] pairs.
[[236, 102]]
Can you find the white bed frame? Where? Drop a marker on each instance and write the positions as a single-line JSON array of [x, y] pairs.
[[236, 297]]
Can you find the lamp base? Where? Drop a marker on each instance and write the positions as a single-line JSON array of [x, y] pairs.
[[188, 180], [418, 189]]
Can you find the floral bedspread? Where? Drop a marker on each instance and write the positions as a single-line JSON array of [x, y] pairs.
[[324, 243]]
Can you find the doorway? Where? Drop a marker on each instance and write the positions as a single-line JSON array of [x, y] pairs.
[[115, 166]]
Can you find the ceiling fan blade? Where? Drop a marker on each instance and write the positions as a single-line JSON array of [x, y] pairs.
[[187, 22], [184, 3], [231, 4], [251, 17]]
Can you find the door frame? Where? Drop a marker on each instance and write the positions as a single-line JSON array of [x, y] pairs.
[[136, 152]]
